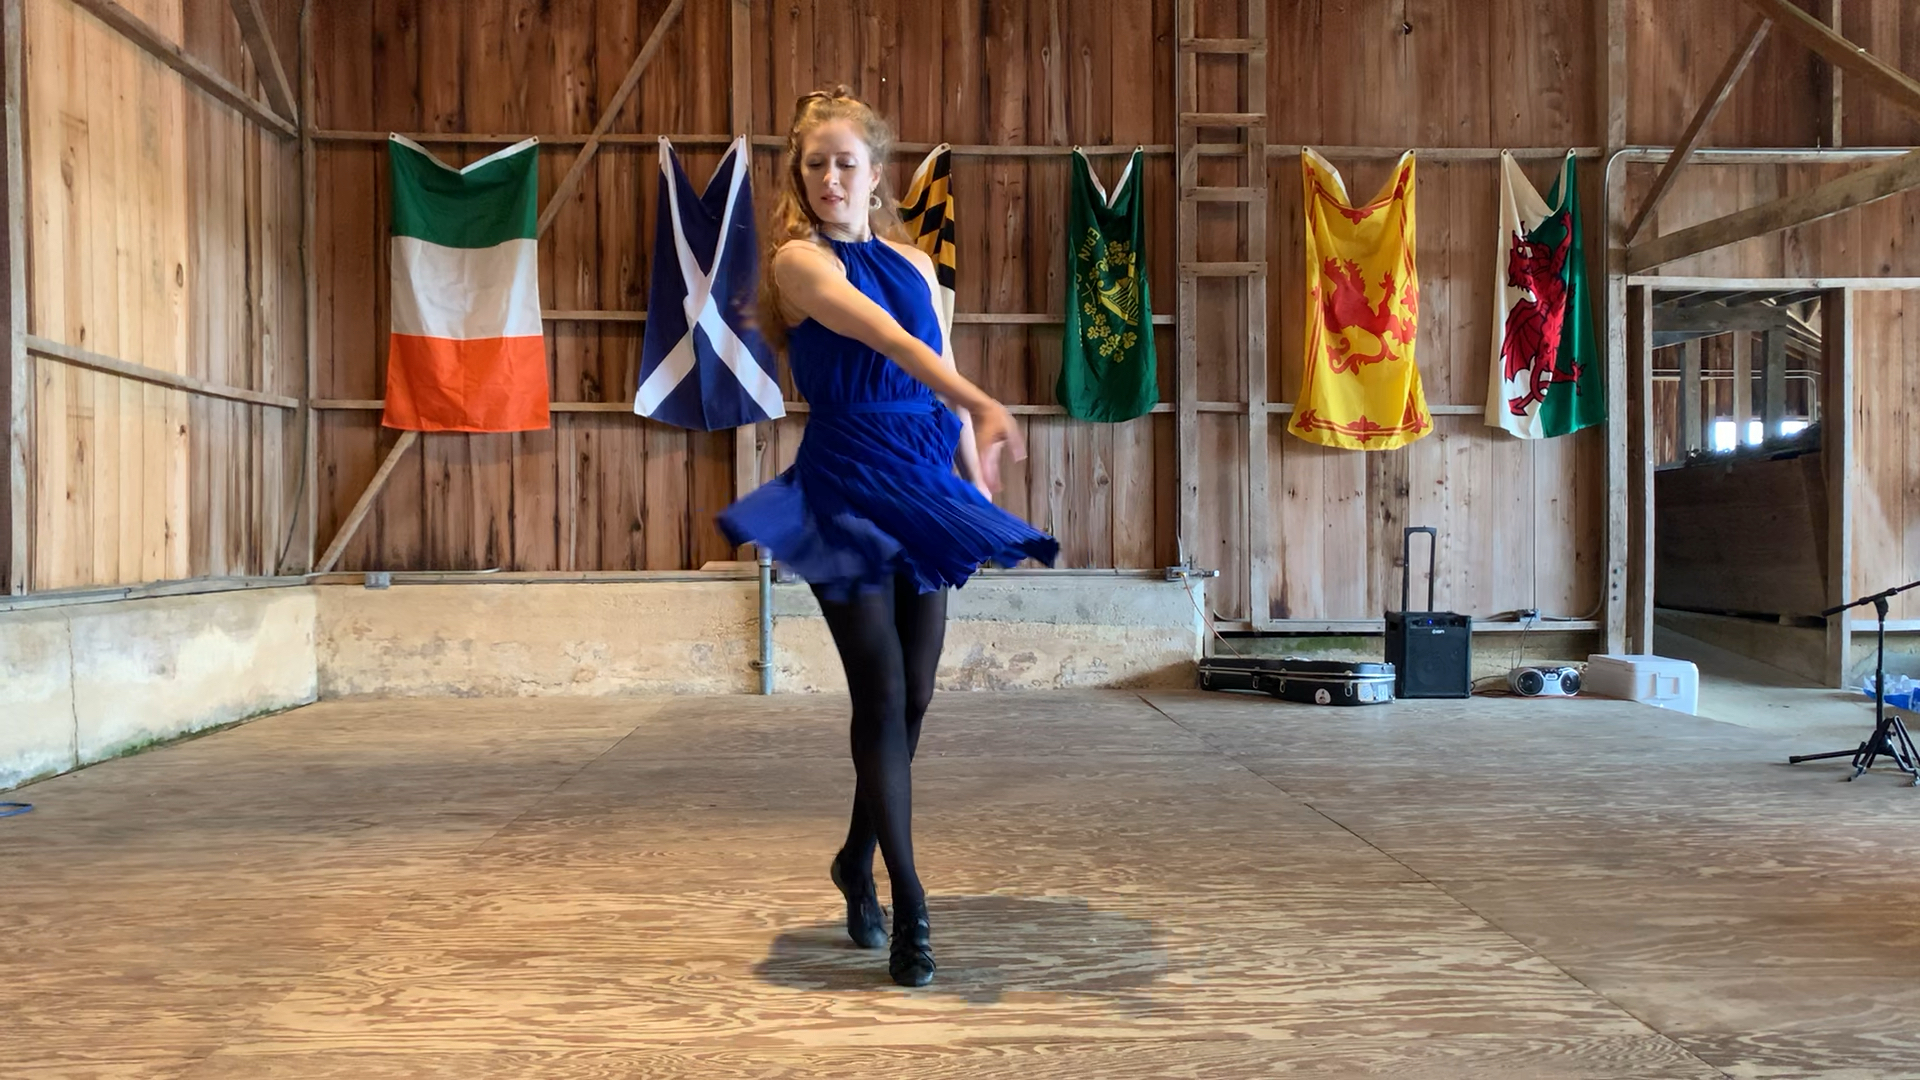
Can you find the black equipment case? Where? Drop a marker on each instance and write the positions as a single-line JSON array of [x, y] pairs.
[[1431, 650], [1310, 682]]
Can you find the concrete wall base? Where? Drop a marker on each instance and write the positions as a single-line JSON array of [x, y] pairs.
[[87, 682]]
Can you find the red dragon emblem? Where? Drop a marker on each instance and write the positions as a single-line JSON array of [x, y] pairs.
[[1347, 307], [1532, 341]]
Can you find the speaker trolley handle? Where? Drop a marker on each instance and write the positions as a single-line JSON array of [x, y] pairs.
[[1406, 564]]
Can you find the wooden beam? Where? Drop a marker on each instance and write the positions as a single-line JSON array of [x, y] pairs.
[[1716, 318], [1736, 66], [216, 85], [1871, 184], [1690, 440], [1773, 406], [564, 191], [93, 361], [1640, 606], [266, 58], [310, 294], [1837, 450], [1832, 104], [16, 394], [360, 509], [1875, 74]]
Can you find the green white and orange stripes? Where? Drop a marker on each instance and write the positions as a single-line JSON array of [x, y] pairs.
[[466, 351]]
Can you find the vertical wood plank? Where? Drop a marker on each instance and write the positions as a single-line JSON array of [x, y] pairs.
[[746, 458], [1690, 433], [1774, 346], [1641, 554], [16, 396], [1838, 448], [1742, 384]]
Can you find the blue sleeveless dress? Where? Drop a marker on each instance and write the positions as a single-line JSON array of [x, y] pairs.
[[872, 491]]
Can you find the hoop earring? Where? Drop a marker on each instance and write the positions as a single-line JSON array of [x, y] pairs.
[[873, 201]]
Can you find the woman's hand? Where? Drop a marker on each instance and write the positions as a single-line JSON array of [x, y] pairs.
[[993, 430]]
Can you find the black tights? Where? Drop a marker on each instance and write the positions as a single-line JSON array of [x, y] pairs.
[[889, 644]]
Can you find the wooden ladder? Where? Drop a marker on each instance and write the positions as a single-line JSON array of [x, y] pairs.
[[1250, 192]]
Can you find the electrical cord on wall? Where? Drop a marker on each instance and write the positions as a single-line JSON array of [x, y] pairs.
[[1186, 582]]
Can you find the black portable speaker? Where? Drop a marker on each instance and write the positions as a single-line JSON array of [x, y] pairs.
[[1431, 651]]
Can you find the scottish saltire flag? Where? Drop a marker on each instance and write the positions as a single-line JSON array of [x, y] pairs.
[[702, 364], [465, 351], [927, 213]]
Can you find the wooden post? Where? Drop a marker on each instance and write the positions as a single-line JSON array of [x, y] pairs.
[[1773, 346], [1832, 105], [1260, 556], [16, 394], [1614, 313], [309, 426], [1640, 575], [1837, 366], [746, 438], [1690, 440], [1186, 426], [1612, 70], [1742, 386]]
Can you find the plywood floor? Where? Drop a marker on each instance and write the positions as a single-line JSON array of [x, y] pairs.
[[1180, 885]]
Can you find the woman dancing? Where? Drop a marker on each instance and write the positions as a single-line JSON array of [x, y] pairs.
[[871, 514]]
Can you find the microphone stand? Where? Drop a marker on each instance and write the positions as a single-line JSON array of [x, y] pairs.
[[1889, 734]]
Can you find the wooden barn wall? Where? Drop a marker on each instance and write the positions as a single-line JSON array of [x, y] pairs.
[[1885, 488], [163, 231], [1522, 524], [610, 491]]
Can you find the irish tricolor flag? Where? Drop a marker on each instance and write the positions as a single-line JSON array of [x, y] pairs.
[[466, 352]]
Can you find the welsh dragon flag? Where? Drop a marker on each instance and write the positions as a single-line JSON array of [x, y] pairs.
[[465, 351], [1546, 377]]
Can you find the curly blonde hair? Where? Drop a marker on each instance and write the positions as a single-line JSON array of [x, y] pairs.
[[793, 216]]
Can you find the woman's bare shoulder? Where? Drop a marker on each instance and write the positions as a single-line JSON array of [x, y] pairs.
[[920, 259]]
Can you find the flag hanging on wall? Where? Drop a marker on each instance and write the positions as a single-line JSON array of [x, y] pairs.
[[1546, 376], [927, 212], [465, 351], [703, 365], [1359, 388], [1106, 357]]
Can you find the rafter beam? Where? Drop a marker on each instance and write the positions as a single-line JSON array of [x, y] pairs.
[[1802, 26], [1871, 184], [266, 58], [191, 68], [563, 192], [1702, 120]]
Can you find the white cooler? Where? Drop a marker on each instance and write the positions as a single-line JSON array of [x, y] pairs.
[[1650, 680]]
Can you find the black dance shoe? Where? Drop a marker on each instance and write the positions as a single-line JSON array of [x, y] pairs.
[[865, 921], [910, 961]]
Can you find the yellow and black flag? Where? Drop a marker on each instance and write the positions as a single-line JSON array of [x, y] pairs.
[[928, 216]]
